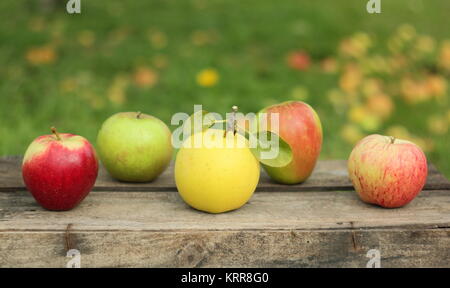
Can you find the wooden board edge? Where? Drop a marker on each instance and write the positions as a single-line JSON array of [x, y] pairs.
[[277, 248]]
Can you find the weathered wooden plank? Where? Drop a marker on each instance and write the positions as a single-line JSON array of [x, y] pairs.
[[310, 229], [329, 175], [165, 211], [276, 248]]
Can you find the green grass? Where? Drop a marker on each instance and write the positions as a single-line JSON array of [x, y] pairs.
[[251, 41]]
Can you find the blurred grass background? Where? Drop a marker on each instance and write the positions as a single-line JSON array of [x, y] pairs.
[[364, 73]]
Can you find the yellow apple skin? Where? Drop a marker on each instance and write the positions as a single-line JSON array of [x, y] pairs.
[[216, 179]]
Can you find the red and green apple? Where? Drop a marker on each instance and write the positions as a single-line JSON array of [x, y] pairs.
[[300, 127], [386, 171], [60, 170]]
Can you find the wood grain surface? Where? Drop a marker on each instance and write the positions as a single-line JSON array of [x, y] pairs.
[[328, 175], [320, 223], [274, 248], [310, 229], [164, 211]]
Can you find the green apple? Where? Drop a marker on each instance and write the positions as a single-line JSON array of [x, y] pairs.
[[134, 147]]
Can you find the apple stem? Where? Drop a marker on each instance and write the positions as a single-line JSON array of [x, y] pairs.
[[56, 133], [392, 139], [138, 116], [231, 123]]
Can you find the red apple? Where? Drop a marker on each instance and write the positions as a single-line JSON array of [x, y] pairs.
[[299, 60], [300, 127], [386, 171], [59, 170]]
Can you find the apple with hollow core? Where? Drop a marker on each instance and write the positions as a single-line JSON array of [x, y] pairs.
[[300, 127], [386, 171], [59, 170], [134, 147]]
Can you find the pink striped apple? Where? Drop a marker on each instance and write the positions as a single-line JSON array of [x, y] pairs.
[[386, 171], [300, 127], [59, 170]]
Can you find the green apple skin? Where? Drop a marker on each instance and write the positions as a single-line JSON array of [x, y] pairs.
[[134, 147]]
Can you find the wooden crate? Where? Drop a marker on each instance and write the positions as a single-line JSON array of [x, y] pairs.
[[320, 223]]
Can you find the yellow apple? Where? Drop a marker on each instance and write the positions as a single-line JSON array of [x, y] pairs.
[[215, 171]]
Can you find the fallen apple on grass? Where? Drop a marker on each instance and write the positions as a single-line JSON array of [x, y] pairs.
[[300, 127], [134, 147], [60, 170], [386, 171]]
